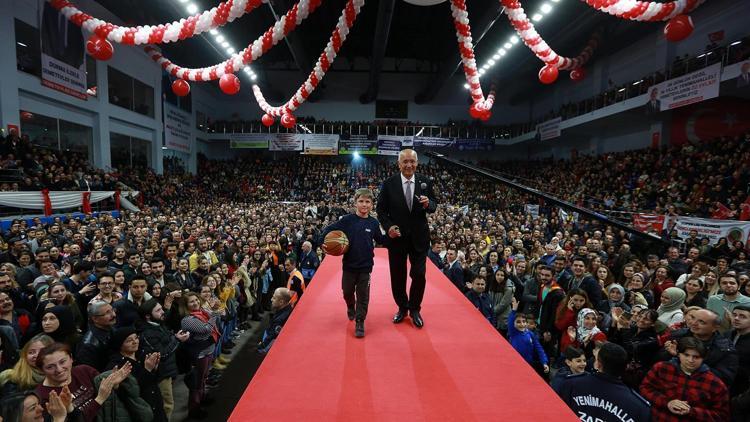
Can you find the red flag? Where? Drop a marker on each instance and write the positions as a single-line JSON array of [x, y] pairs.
[[721, 212], [117, 200], [47, 202], [745, 210], [86, 202], [140, 200]]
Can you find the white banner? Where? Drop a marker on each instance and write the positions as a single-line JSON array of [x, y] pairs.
[[286, 142], [712, 229], [321, 144], [692, 88], [391, 144], [549, 129], [60, 200], [63, 59], [177, 131], [532, 210]]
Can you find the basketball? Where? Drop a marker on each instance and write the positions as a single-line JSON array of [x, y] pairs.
[[336, 243]]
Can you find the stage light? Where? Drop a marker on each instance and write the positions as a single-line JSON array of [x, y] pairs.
[[501, 51], [491, 62], [192, 8], [213, 32], [735, 43], [537, 17], [514, 39], [231, 50], [496, 57], [466, 86], [355, 156], [545, 8], [253, 76], [225, 44], [507, 46], [219, 38]]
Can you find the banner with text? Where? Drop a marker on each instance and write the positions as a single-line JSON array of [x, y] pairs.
[[648, 222], [63, 59], [249, 140], [286, 142], [475, 144], [391, 144], [361, 144], [316, 144], [176, 128], [549, 129], [733, 230], [691, 88], [434, 142]]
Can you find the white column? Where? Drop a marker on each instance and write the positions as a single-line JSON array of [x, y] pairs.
[[102, 151], [9, 80]]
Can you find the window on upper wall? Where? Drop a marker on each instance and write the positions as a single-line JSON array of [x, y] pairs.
[[57, 134], [28, 55], [128, 151], [130, 93]]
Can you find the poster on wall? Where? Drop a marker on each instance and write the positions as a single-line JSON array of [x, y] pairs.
[[433, 142], [361, 144], [318, 144], [688, 89], [249, 140], [63, 58], [177, 131], [391, 145], [549, 129], [475, 144]]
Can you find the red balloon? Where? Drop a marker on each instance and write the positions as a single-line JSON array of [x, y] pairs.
[[288, 120], [578, 74], [678, 28], [267, 120], [99, 48], [181, 87], [548, 74], [230, 84], [475, 111], [485, 115], [26, 115]]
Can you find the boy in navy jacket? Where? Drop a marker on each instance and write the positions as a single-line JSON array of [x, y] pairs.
[[524, 341], [361, 229]]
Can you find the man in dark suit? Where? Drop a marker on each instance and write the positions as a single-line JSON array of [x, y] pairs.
[[743, 79], [61, 38], [653, 105], [454, 271], [403, 204]]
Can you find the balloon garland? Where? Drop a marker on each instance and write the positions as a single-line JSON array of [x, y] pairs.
[[252, 52], [225, 12], [679, 27], [345, 22]]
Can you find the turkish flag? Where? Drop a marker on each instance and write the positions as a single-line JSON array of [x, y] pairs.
[[709, 120], [86, 202], [745, 210], [722, 212]]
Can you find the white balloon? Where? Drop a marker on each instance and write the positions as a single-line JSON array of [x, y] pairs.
[[424, 2]]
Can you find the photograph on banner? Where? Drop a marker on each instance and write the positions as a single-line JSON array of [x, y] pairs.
[[392, 144], [361, 144], [475, 144], [249, 140], [434, 142], [732, 230], [688, 89], [548, 130], [177, 130], [286, 142], [319, 144], [63, 53]]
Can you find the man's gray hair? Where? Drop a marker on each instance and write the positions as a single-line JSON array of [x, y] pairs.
[[407, 151], [95, 307]]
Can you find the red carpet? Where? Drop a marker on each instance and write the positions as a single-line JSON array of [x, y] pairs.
[[457, 368]]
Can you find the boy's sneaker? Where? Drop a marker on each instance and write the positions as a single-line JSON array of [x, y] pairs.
[[350, 313], [359, 329]]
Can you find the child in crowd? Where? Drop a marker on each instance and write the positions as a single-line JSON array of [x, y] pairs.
[[524, 341], [361, 229], [480, 299], [575, 363]]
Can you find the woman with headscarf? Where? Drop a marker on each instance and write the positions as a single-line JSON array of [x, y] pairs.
[[670, 310], [640, 341], [636, 291], [585, 334], [615, 299], [58, 323]]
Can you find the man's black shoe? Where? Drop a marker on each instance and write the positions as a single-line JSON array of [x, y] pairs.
[[198, 414], [350, 313], [359, 329], [417, 319], [400, 315]]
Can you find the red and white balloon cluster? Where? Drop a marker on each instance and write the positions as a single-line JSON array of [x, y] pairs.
[[678, 28], [224, 71], [104, 33], [344, 24], [482, 107]]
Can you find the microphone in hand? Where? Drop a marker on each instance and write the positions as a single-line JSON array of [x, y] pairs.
[[422, 199]]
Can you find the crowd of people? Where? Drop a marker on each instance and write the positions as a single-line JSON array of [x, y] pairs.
[[99, 316]]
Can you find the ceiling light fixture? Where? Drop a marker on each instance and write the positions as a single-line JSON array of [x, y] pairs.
[[192, 8], [537, 17], [545, 8]]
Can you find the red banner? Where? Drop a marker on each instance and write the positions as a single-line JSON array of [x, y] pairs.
[[117, 200], [710, 120], [646, 222], [86, 202], [47, 202]]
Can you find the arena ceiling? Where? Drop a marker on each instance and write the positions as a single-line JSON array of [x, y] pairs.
[[420, 40]]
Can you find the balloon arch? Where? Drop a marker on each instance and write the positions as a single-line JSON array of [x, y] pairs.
[[99, 45]]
